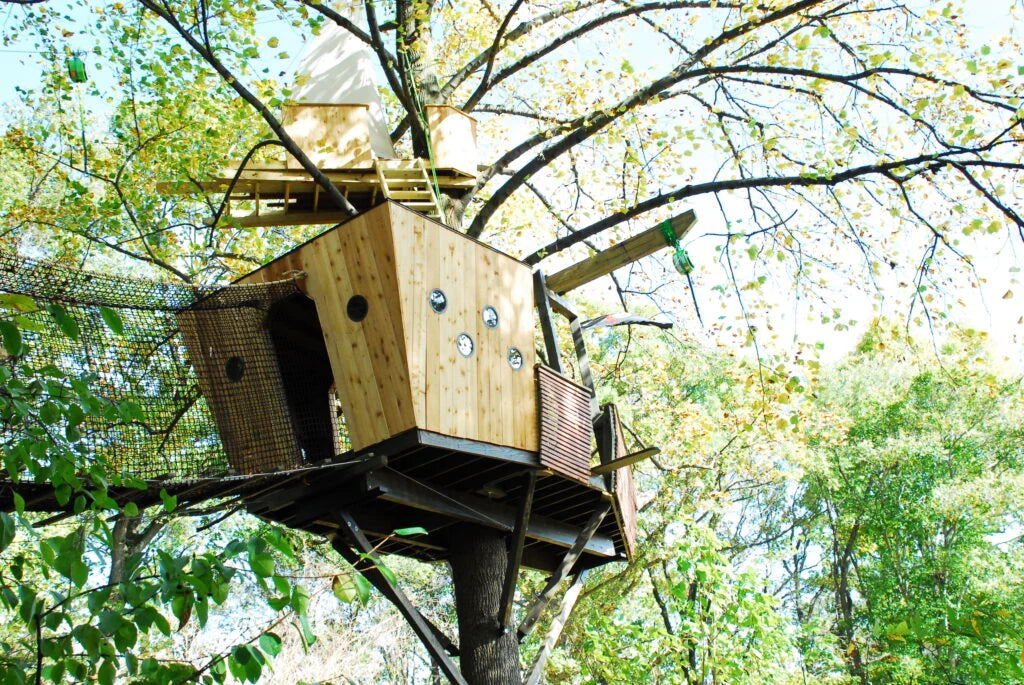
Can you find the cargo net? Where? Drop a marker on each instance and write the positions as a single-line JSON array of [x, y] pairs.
[[191, 383]]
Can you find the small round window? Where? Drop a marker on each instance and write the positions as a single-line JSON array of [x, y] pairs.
[[490, 316], [438, 300], [464, 344], [234, 369], [515, 358], [357, 308]]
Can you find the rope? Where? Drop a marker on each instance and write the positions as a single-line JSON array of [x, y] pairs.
[[422, 116]]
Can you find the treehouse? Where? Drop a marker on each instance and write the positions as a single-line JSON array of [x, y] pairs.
[[405, 340]]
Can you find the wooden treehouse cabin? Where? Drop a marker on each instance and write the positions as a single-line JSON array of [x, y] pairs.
[[397, 385], [385, 375]]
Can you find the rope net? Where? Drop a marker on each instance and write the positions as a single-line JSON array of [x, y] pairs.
[[199, 383]]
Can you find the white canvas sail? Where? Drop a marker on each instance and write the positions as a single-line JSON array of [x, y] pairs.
[[338, 70]]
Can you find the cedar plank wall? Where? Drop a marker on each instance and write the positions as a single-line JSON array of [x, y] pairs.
[[368, 357], [480, 397], [399, 368]]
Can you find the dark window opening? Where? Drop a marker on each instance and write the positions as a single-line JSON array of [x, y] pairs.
[[301, 352]]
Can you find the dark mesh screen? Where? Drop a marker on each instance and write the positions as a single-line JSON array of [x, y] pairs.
[[214, 382]]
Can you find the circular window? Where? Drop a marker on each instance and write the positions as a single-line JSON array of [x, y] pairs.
[[490, 316], [438, 300], [515, 358], [464, 344], [357, 308], [234, 368]]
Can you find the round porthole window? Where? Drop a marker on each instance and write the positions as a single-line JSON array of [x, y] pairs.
[[438, 300], [515, 358], [357, 308], [234, 369], [490, 316], [464, 344]]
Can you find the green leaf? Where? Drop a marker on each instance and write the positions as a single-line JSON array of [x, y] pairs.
[[107, 672], [170, 501], [270, 643], [262, 564], [7, 530], [131, 509], [362, 588], [12, 338], [344, 589], [415, 530], [972, 66], [64, 321], [112, 319], [300, 599], [387, 573]]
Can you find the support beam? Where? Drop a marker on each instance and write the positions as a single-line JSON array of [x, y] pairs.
[[628, 460], [571, 556], [400, 489], [555, 631], [367, 563], [515, 552], [619, 255], [547, 322]]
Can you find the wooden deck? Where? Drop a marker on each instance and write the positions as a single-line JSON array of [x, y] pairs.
[[280, 196], [416, 479]]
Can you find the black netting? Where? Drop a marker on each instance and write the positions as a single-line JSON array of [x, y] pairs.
[[205, 382]]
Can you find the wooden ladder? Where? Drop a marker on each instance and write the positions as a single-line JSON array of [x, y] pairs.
[[408, 182]]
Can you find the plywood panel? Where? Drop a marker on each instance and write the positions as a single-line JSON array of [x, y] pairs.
[[452, 139], [412, 252], [330, 287], [332, 136], [370, 258]]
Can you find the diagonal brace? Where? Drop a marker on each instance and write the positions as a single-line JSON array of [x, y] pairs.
[[367, 563], [515, 552], [555, 631], [571, 556]]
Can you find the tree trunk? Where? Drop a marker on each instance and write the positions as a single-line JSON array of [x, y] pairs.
[[478, 558]]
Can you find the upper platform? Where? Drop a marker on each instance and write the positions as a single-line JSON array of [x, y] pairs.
[[337, 140]]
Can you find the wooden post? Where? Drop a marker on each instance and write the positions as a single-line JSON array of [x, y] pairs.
[[547, 323], [515, 552]]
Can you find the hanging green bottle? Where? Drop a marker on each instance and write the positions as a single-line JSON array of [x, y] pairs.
[[76, 69]]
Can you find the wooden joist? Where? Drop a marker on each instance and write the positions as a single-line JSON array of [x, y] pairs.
[[394, 487], [627, 460], [619, 255], [366, 562]]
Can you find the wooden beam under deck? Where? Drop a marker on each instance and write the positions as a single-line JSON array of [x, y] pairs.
[[394, 487]]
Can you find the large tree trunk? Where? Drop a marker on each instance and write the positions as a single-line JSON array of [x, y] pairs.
[[478, 559]]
